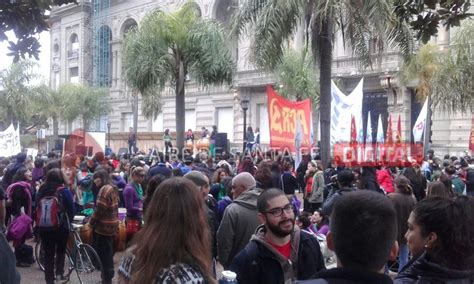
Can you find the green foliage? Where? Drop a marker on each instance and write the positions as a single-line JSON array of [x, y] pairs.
[[16, 95], [25, 18], [154, 51], [84, 102], [165, 48], [446, 75], [425, 16], [423, 66], [453, 86], [270, 23], [295, 77]]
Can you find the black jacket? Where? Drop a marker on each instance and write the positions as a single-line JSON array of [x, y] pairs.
[[260, 263], [423, 271], [331, 200], [348, 276]]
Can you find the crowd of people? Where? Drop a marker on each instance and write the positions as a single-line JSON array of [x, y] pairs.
[[259, 215]]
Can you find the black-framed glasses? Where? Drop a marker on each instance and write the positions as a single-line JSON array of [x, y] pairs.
[[277, 212]]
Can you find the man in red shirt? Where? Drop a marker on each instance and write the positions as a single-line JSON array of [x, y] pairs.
[[278, 252]]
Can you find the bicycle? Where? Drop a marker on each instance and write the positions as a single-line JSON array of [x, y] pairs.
[[82, 258]]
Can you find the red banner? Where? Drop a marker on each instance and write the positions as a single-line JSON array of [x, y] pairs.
[[289, 122], [471, 139]]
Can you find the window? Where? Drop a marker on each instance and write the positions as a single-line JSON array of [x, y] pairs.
[[225, 121], [74, 75], [56, 80], [262, 122], [157, 124], [190, 119], [73, 50], [127, 121], [103, 58]]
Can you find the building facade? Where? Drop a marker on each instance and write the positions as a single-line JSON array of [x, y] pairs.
[[86, 47]]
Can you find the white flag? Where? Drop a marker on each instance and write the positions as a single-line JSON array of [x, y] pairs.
[[419, 126], [380, 136], [368, 136]]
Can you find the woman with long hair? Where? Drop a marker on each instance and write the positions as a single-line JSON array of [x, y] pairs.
[[440, 233], [105, 222], [217, 188], [404, 202], [54, 241], [321, 221], [133, 197], [308, 178], [417, 181], [438, 188], [151, 186], [174, 245]]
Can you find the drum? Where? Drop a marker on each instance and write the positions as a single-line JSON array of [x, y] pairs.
[[86, 234], [120, 242], [204, 144]]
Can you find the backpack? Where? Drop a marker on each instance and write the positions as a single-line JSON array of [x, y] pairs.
[[49, 211]]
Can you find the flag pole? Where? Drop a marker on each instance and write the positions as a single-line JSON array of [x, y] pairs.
[[426, 136]]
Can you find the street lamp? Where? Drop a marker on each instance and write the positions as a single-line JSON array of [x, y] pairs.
[[108, 133], [244, 104]]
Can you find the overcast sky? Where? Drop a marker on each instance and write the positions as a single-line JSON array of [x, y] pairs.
[[44, 59]]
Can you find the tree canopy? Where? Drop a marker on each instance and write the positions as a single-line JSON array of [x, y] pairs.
[[426, 16], [169, 46], [26, 18]]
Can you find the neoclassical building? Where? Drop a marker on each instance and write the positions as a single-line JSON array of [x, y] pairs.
[[86, 47]]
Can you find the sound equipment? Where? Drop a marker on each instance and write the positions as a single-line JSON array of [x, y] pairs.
[[221, 143]]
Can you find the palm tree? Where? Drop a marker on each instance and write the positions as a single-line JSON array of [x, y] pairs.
[[295, 76], [85, 102], [273, 22], [51, 104], [16, 93], [168, 47]]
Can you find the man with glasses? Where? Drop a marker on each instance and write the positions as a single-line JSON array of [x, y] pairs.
[[278, 252]]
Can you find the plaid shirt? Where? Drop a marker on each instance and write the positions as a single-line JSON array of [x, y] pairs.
[[105, 218]]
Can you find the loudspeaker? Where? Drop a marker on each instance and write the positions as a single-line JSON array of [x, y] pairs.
[[221, 143]]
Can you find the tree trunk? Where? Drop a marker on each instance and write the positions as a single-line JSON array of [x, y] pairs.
[[325, 59], [55, 126], [135, 111], [180, 112]]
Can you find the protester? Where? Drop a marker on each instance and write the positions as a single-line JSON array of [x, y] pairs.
[[321, 221], [54, 238], [8, 273], [440, 233], [223, 203], [458, 184], [105, 222], [438, 188], [11, 169], [212, 149], [174, 246], [316, 196], [288, 182], [167, 140], [133, 198], [417, 181], [152, 185], [249, 139], [385, 180], [240, 219], [345, 179], [308, 182], [202, 183], [404, 202], [218, 189], [132, 141], [370, 219], [278, 252]]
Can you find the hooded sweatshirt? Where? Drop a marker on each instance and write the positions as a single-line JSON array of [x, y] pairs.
[[238, 224], [260, 262]]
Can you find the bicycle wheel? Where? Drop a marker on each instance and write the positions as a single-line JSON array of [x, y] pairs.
[[39, 255], [87, 264]]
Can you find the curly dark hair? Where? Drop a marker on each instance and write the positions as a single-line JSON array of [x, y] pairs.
[[452, 220]]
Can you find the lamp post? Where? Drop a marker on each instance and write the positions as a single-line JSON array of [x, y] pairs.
[[244, 104], [108, 133]]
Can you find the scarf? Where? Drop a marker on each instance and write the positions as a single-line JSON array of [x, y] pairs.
[[138, 189]]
